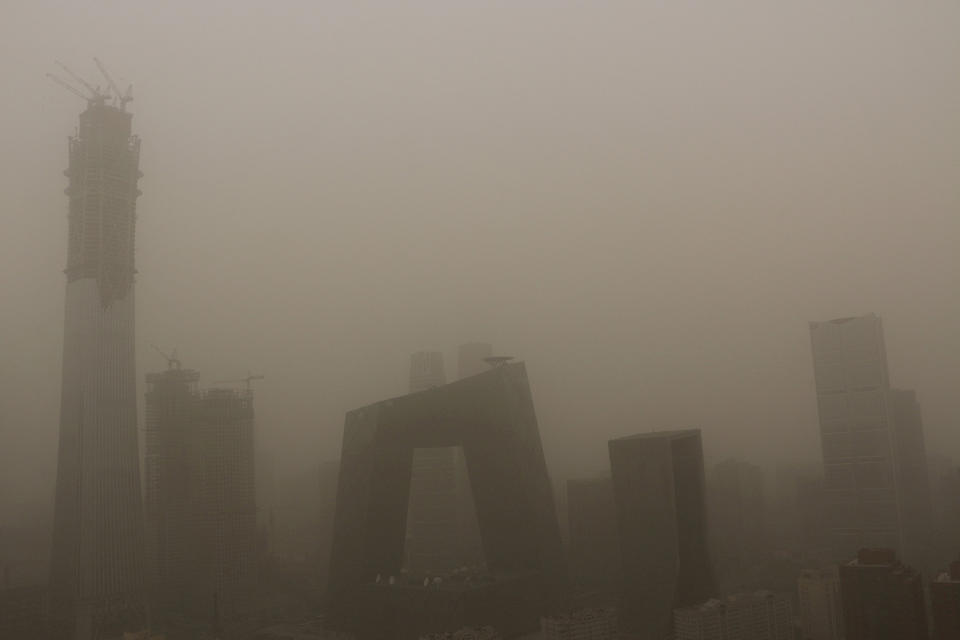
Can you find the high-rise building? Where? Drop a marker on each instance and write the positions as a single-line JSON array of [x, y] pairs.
[[200, 503], [761, 615], [471, 358], [583, 624], [329, 474], [945, 602], [594, 549], [737, 509], [821, 612], [441, 526], [856, 434], [913, 479], [226, 540], [658, 485], [882, 598], [97, 573], [169, 453]]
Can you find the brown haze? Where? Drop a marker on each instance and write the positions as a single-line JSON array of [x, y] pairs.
[[645, 201]]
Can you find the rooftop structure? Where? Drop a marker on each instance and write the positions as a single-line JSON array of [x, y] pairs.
[[945, 603], [882, 598], [761, 615]]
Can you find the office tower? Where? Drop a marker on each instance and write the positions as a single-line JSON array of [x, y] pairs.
[[913, 479], [22, 612], [97, 574], [821, 612], [226, 540], [170, 417], [945, 602], [882, 598], [492, 417], [470, 358], [584, 624], [856, 434], [594, 539], [736, 504], [200, 504], [659, 490], [761, 615]]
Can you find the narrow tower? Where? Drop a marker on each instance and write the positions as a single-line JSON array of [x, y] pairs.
[[97, 564]]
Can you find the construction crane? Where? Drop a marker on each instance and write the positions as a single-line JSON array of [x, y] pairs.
[[172, 361], [94, 91], [250, 378], [69, 87], [124, 98]]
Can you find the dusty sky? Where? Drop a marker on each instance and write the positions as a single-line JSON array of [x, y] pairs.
[[647, 201]]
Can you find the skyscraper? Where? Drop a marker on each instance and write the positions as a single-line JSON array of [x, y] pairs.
[[170, 451], [200, 505], [882, 598], [97, 575], [856, 434], [737, 518], [913, 479], [821, 612], [658, 486]]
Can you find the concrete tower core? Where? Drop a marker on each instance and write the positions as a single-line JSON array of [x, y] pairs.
[[97, 562]]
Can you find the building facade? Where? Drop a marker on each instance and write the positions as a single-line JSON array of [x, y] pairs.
[[882, 598], [658, 484], [945, 603], [820, 608], [200, 500], [584, 624], [761, 615], [856, 434], [97, 572], [738, 519]]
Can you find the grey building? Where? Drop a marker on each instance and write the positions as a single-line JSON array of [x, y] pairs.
[[492, 417], [97, 573], [658, 484], [856, 434], [594, 548], [820, 608], [761, 615]]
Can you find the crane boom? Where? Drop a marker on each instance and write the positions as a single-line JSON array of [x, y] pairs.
[[113, 85], [69, 87], [95, 93]]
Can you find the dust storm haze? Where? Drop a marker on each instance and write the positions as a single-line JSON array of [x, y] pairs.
[[646, 202]]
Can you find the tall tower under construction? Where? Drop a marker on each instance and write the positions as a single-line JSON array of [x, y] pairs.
[[97, 563]]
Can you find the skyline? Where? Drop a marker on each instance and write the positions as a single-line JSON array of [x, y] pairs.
[[630, 288]]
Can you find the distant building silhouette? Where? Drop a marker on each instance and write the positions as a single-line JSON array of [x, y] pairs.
[[856, 433], [913, 479], [820, 608], [945, 603], [658, 483], [738, 518], [583, 624], [761, 615], [97, 573], [442, 532], [170, 452], [201, 510], [471, 358], [328, 477], [594, 537], [492, 416], [882, 598]]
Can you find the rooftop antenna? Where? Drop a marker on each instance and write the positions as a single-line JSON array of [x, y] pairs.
[[172, 361]]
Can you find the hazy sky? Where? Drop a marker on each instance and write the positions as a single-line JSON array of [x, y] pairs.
[[647, 201]]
